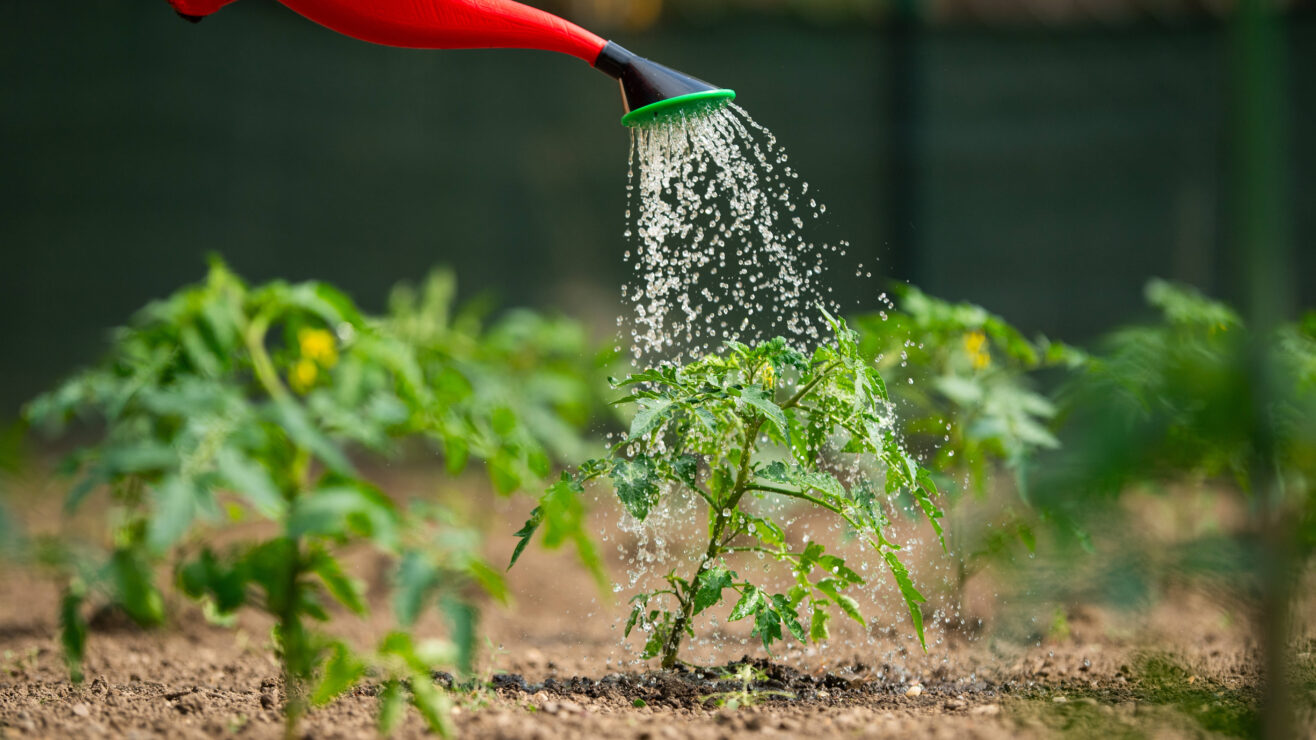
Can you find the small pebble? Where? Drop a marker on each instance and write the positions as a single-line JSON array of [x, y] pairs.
[[915, 690]]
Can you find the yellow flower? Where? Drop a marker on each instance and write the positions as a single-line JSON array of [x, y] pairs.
[[302, 375], [317, 345], [769, 377], [975, 343]]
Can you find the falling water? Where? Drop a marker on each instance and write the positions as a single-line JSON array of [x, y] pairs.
[[719, 228]]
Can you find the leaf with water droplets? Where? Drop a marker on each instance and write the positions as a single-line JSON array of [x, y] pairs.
[[767, 625], [761, 400], [649, 415], [786, 610], [709, 584], [751, 601], [636, 484], [912, 597], [847, 604], [818, 631]]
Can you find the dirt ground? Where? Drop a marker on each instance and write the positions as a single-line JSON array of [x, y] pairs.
[[553, 668]]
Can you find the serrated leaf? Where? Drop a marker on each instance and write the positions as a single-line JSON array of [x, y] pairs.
[[837, 567], [767, 625], [686, 469], [911, 595], [525, 533], [561, 515], [751, 601], [637, 485], [761, 400], [708, 586], [786, 611], [815, 480], [705, 417], [649, 415]]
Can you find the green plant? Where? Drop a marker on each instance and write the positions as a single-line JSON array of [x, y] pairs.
[[754, 422], [520, 388], [10, 536], [226, 401], [1170, 399], [962, 380], [746, 693], [1200, 396]]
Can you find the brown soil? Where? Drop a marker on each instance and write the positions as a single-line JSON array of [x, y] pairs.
[[554, 669]]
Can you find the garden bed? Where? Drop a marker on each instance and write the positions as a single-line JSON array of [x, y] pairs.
[[554, 668]]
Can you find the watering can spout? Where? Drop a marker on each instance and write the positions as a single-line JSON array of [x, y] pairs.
[[649, 90]]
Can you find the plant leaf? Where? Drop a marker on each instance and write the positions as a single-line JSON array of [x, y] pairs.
[[912, 597], [73, 630], [761, 400], [818, 631], [637, 485], [786, 610], [709, 585], [341, 672], [751, 601], [649, 415], [392, 701], [336, 581]]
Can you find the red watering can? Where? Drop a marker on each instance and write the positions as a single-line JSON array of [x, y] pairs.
[[650, 91]]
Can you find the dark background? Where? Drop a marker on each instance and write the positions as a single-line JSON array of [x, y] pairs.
[[1043, 169]]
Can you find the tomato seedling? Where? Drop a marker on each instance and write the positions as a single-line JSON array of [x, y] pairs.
[[755, 422]]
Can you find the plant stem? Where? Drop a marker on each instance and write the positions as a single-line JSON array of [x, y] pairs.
[[261, 364], [716, 547]]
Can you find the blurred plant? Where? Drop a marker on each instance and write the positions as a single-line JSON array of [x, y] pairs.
[[1199, 397], [10, 460], [261, 392], [753, 423], [520, 391], [961, 380], [1171, 399], [971, 402]]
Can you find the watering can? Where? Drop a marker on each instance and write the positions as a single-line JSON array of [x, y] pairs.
[[649, 90]]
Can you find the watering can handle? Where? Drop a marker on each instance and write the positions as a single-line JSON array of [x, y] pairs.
[[436, 24]]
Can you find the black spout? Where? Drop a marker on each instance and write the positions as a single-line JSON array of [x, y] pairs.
[[651, 91]]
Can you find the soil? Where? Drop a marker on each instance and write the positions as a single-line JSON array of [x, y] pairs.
[[554, 669]]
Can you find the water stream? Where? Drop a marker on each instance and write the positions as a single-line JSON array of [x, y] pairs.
[[718, 225]]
